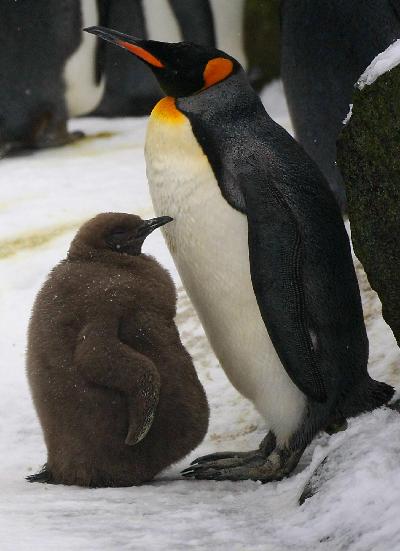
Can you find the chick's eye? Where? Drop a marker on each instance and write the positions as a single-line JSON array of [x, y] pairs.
[[118, 233], [114, 238]]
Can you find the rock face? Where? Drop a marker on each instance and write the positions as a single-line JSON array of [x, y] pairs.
[[368, 156]]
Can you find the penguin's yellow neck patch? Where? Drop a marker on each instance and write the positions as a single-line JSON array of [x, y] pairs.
[[166, 111]]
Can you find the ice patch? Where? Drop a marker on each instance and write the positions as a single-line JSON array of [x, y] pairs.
[[382, 63]]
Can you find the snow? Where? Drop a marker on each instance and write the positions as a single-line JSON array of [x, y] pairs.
[[348, 116], [44, 198], [383, 62]]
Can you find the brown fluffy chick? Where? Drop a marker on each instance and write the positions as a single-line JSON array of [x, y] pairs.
[[116, 392]]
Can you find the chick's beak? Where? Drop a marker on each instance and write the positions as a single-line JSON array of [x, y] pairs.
[[137, 46], [149, 226]]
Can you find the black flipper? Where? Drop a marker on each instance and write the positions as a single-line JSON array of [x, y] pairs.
[[276, 257]]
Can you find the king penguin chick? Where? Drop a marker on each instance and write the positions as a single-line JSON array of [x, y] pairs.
[[116, 392], [269, 267]]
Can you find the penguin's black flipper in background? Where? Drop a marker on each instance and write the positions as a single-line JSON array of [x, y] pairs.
[[196, 21]]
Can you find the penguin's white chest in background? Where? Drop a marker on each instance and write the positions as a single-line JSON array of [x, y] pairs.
[[208, 241], [82, 93]]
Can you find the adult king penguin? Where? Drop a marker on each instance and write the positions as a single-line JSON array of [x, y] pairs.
[[261, 248]]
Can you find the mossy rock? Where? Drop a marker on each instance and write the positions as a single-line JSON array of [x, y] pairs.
[[369, 159], [262, 40]]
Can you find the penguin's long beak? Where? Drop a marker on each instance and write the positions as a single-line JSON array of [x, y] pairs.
[[137, 46], [149, 226]]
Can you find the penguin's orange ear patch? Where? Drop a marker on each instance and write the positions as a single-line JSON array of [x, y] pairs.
[[142, 53], [216, 70]]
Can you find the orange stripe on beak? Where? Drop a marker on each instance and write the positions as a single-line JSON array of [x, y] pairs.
[[142, 53]]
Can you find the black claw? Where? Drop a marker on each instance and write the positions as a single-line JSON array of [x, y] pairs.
[[187, 472], [215, 457], [201, 460], [193, 468]]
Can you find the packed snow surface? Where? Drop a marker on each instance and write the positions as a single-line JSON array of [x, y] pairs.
[[44, 198], [383, 62]]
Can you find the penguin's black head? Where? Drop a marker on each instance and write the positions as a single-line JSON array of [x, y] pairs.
[[117, 232], [181, 68]]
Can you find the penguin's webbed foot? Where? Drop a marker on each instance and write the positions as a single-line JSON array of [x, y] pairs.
[[57, 139], [51, 131], [263, 464]]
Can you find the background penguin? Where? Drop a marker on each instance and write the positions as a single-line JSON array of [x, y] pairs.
[[47, 74], [116, 392], [32, 52], [261, 248], [127, 92], [326, 46]]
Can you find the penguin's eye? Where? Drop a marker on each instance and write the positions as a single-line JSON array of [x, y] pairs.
[[119, 232], [116, 238]]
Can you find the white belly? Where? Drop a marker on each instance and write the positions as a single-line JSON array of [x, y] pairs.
[[208, 241], [82, 92]]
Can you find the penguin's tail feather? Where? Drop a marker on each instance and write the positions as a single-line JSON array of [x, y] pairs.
[[43, 476], [369, 395]]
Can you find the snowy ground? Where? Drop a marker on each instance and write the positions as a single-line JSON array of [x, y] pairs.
[[44, 198]]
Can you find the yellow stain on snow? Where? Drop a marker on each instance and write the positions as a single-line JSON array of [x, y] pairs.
[[33, 240], [92, 137], [37, 238]]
